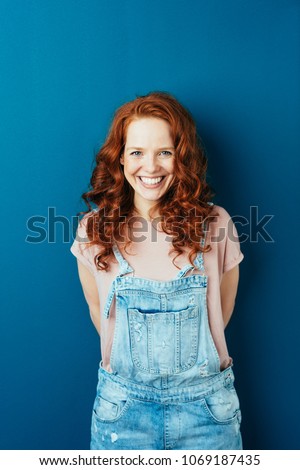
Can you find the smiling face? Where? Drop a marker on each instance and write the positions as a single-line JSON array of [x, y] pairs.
[[148, 161]]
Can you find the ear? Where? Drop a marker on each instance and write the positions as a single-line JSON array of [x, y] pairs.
[[122, 159]]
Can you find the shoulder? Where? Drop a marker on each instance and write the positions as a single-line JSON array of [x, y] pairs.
[[81, 234], [81, 247], [224, 239], [221, 211], [220, 219]]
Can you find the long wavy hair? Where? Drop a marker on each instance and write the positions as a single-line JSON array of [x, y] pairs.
[[183, 207]]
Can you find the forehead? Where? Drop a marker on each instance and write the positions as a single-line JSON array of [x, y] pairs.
[[148, 129]]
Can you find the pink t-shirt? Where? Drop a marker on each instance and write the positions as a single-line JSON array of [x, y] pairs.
[[149, 257]]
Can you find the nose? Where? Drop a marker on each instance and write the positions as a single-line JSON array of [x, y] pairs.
[[150, 163]]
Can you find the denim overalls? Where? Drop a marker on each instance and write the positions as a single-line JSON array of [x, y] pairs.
[[165, 390]]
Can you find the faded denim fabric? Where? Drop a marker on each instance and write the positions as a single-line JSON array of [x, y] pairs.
[[165, 390]]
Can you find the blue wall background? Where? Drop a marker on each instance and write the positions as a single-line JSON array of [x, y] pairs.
[[65, 66]]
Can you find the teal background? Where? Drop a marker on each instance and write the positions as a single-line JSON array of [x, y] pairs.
[[65, 65]]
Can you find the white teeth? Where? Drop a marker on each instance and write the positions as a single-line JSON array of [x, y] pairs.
[[151, 180]]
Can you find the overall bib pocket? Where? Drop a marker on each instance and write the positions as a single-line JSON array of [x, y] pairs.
[[164, 342]]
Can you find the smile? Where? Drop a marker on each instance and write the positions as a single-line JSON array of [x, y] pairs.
[[151, 181]]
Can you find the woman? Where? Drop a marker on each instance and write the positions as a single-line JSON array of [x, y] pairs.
[[165, 380]]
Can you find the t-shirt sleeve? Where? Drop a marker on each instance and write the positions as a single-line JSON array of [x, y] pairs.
[[232, 253], [81, 249]]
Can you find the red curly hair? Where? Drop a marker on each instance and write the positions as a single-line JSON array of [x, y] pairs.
[[182, 206]]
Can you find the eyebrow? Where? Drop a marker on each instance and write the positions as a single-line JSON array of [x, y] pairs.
[[141, 148]]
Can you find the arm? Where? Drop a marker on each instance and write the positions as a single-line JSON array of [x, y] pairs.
[[91, 295], [229, 285]]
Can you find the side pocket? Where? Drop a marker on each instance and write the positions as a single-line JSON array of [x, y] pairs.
[[223, 406], [108, 411]]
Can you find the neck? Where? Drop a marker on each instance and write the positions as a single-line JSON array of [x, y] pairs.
[[144, 212]]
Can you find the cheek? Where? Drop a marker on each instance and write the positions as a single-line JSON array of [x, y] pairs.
[[170, 167], [128, 169], [131, 167]]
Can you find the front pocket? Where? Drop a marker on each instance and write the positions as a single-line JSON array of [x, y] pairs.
[[164, 342]]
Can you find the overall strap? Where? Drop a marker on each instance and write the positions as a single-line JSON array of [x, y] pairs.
[[124, 265], [109, 299], [124, 269], [199, 263]]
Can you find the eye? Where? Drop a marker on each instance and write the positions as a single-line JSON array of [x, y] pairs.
[[136, 153], [165, 153]]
